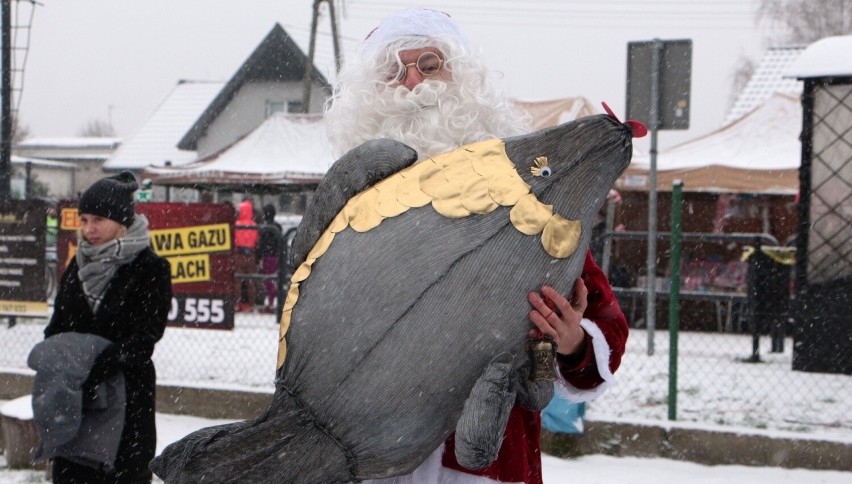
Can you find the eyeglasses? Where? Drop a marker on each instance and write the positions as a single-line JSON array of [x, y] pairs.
[[428, 64]]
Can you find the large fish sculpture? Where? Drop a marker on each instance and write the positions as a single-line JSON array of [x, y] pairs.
[[406, 317]]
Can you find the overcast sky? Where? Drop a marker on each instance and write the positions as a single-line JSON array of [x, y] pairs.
[[116, 60]]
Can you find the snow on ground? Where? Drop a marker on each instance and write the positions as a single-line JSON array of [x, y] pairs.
[[716, 391], [715, 387], [595, 469]]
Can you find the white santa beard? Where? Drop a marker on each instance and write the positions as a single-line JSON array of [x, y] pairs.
[[431, 118]]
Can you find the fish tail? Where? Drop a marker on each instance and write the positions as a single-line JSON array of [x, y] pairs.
[[283, 444]]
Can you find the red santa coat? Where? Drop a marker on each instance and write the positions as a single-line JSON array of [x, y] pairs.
[[584, 377]]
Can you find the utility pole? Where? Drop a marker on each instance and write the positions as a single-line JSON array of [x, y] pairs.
[[309, 67], [6, 108]]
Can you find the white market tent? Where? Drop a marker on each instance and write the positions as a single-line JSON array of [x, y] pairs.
[[293, 149], [545, 114], [758, 153], [286, 149]]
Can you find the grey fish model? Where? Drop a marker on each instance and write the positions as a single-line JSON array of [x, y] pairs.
[[407, 316]]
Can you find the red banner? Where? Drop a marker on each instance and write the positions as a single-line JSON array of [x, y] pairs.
[[197, 239]]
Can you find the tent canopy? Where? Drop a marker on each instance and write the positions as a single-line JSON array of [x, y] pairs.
[[286, 150], [759, 153], [545, 114], [292, 150]]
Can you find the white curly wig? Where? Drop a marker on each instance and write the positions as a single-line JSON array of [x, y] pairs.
[[434, 117]]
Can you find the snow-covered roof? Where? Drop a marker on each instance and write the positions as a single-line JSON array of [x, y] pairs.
[[276, 59], [23, 160], [758, 153], [285, 149], [156, 140], [78, 142], [828, 57], [766, 80], [294, 148]]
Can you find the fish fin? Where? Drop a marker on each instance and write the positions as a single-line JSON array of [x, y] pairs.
[[356, 170], [269, 448], [532, 395], [480, 429]]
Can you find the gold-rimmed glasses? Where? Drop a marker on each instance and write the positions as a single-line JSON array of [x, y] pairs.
[[428, 64]]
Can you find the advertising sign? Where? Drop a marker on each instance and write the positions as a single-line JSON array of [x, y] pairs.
[[22, 258], [197, 240]]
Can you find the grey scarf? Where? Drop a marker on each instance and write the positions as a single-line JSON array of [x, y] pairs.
[[97, 265]]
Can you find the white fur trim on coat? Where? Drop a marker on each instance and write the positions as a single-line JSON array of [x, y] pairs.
[[602, 351], [431, 471]]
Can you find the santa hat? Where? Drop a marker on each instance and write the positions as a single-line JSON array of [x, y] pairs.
[[415, 23]]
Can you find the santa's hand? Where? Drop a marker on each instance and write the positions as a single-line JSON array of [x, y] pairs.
[[562, 321]]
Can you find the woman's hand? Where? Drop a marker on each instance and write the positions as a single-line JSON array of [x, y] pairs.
[[562, 322]]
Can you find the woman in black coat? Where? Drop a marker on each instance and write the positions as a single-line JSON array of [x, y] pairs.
[[117, 288]]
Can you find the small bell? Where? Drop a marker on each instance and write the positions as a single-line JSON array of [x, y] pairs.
[[542, 353]]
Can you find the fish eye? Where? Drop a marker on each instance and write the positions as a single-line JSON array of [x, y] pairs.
[[540, 167]]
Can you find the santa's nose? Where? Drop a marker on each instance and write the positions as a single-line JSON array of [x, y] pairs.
[[412, 78]]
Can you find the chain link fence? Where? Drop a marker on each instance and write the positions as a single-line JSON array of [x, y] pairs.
[[720, 382]]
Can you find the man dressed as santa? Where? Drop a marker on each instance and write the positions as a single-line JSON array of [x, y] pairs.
[[417, 80]]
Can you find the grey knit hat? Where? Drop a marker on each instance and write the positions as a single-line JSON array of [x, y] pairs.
[[111, 197]]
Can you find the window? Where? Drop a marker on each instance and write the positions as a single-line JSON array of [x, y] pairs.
[[275, 107], [283, 107]]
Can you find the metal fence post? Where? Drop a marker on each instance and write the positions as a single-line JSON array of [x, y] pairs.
[[674, 295]]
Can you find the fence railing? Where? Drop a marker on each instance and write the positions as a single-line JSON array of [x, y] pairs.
[[718, 383]]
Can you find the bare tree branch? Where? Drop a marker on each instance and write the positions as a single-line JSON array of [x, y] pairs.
[[97, 128], [805, 21]]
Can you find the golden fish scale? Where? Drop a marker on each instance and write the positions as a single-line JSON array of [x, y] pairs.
[[473, 180]]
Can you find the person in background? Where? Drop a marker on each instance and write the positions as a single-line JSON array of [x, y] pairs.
[[52, 222], [597, 243], [416, 79], [117, 288], [245, 242], [269, 249]]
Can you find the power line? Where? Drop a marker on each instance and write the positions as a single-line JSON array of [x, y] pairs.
[[565, 6], [598, 15]]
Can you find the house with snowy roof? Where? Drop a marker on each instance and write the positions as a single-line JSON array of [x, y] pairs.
[[155, 142], [47, 178], [66, 165], [200, 119], [271, 80]]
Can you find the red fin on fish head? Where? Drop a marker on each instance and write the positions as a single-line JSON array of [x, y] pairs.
[[639, 129]]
